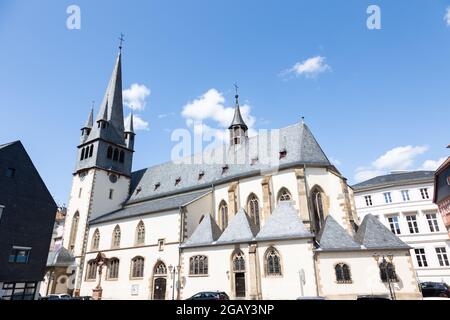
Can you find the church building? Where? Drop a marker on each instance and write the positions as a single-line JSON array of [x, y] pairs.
[[269, 218]]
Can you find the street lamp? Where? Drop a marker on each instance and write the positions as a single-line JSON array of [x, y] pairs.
[[173, 272], [384, 267]]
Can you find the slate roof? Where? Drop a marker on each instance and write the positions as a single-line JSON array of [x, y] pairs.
[[372, 234], [240, 229], [395, 179], [60, 258], [283, 223], [206, 233], [151, 206], [333, 237], [297, 140], [238, 121]]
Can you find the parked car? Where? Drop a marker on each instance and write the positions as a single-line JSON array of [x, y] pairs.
[[210, 295], [435, 289], [83, 298], [57, 297], [373, 297]]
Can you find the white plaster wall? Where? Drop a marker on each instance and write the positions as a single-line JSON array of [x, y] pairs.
[[195, 210], [331, 185], [365, 275], [288, 180], [219, 270], [295, 255]]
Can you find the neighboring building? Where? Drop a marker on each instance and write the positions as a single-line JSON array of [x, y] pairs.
[[59, 275], [26, 224], [442, 192], [248, 224], [402, 201]]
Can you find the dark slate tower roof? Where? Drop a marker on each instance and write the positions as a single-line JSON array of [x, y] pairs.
[[130, 124], [333, 237], [372, 234], [90, 121], [238, 121], [206, 233]]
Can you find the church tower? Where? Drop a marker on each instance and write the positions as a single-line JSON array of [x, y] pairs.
[[102, 176], [238, 128]]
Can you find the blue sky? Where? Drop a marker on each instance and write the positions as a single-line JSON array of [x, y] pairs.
[[380, 103]]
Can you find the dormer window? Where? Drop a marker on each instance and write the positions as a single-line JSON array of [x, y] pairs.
[[254, 161], [138, 190], [177, 181], [157, 185], [225, 169], [201, 175], [283, 154]]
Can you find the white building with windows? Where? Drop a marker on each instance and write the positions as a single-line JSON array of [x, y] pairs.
[[402, 201], [268, 217]]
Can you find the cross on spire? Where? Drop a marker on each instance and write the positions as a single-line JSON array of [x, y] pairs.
[[236, 88], [122, 40]]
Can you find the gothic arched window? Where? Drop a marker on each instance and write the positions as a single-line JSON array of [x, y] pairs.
[[137, 267], [122, 157], [116, 237], [198, 265], [272, 262], [109, 154], [387, 272], [284, 195], [253, 209], [223, 215], [116, 154], [91, 273], [113, 268], [73, 230], [317, 204], [95, 240], [91, 151], [82, 154], [140, 233], [238, 262], [342, 271], [160, 268]]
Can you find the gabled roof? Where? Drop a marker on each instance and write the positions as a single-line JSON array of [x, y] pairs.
[[283, 223], [297, 140], [151, 206], [395, 179], [206, 233], [240, 229], [372, 234], [333, 237]]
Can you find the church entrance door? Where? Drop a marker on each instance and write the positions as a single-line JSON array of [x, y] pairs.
[[239, 281], [159, 290]]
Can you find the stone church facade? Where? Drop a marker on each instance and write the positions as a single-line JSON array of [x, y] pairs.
[[273, 219]]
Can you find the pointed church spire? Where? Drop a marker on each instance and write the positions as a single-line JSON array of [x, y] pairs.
[[111, 109], [90, 120], [238, 121], [129, 127], [238, 128]]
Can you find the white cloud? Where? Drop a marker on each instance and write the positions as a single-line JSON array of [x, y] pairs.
[[447, 16], [138, 122], [135, 96], [399, 158], [211, 106], [165, 115], [432, 165], [311, 67]]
